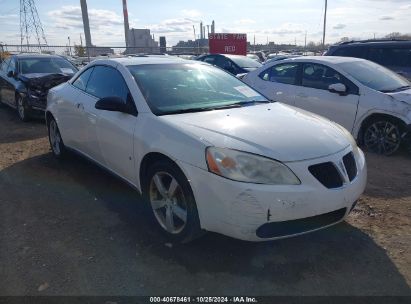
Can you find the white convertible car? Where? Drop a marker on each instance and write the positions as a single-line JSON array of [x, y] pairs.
[[370, 101], [207, 152]]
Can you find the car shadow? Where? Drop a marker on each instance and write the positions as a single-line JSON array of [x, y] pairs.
[[14, 130], [94, 228]]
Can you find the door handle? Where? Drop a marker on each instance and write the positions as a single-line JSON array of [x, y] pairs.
[[80, 106]]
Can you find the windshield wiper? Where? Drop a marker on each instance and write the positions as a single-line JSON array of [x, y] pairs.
[[239, 104], [406, 87], [229, 106]]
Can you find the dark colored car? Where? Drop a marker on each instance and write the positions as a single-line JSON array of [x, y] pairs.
[[25, 80], [235, 64], [393, 54]]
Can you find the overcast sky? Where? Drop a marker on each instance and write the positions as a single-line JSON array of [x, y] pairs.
[[278, 21]]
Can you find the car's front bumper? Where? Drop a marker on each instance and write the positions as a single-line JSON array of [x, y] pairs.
[[256, 212]]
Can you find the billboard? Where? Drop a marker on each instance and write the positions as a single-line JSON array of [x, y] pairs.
[[223, 43]]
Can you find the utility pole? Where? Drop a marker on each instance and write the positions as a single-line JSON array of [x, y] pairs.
[[69, 43], [254, 42], [305, 42], [325, 22]]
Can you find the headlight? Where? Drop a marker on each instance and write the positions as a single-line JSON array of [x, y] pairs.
[[249, 168]]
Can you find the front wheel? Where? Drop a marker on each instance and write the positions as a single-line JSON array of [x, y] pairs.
[[382, 137], [22, 108], [56, 142], [172, 202]]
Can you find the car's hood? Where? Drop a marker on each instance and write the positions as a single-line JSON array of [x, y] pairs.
[[274, 130], [44, 81], [404, 96]]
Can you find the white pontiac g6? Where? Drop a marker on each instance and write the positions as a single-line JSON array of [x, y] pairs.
[[207, 152]]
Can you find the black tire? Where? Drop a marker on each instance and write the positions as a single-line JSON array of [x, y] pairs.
[[166, 171], [56, 142], [382, 136], [22, 109]]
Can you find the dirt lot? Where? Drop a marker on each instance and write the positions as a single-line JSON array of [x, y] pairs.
[[69, 228]]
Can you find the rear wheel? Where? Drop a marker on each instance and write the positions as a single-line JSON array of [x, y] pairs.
[[172, 202], [22, 108], [382, 136], [56, 142]]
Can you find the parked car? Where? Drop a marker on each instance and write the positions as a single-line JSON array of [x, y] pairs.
[[393, 54], [207, 152], [261, 55], [279, 57], [254, 57], [370, 101], [234, 64], [26, 78]]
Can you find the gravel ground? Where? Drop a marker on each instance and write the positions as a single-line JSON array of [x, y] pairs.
[[69, 228]]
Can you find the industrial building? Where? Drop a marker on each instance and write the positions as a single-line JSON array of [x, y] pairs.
[[141, 41]]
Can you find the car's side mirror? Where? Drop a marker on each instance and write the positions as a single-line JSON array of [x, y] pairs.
[[113, 104], [338, 88], [10, 74]]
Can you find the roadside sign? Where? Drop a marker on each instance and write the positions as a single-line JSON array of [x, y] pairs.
[[223, 43]]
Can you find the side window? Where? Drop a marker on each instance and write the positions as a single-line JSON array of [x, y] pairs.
[[318, 76], [284, 73], [12, 65], [5, 65], [265, 75], [401, 57], [209, 59], [107, 82], [391, 57], [81, 81], [357, 52], [379, 55]]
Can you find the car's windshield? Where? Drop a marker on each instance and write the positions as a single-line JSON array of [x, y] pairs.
[[174, 88], [46, 65], [375, 76], [245, 62]]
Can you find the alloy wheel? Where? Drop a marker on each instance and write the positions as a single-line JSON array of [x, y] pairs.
[[168, 202], [20, 108], [382, 137]]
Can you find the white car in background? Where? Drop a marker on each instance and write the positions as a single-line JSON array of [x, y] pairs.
[[206, 151], [370, 101]]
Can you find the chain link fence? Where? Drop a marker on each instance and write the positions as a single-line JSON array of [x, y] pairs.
[[86, 54]]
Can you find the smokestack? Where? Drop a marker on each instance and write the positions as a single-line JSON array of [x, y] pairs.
[[126, 26], [86, 24], [201, 30]]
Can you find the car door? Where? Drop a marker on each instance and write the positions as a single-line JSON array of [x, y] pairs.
[[278, 82], [111, 133], [10, 84], [314, 95], [70, 111], [3, 78]]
